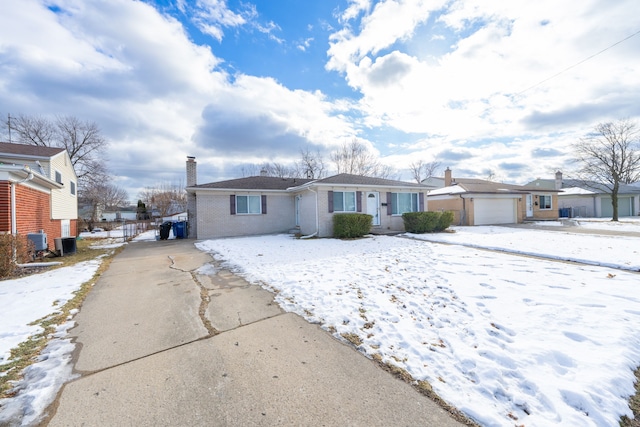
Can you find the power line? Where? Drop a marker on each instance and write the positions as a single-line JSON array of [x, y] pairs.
[[578, 63]]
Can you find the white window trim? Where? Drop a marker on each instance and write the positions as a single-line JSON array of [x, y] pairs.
[[248, 204], [344, 202], [395, 204], [550, 202]]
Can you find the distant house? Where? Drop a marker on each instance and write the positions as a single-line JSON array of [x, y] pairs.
[[481, 202], [38, 191], [591, 199], [264, 205]]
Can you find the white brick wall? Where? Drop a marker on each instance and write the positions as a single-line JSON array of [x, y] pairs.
[[215, 219]]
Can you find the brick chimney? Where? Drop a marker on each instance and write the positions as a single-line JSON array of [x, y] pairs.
[[192, 176], [558, 180], [192, 179], [447, 177]]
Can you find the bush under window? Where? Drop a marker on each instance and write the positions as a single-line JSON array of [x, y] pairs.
[[427, 222], [349, 226]]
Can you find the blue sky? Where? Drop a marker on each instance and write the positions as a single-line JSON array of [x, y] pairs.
[[485, 88]]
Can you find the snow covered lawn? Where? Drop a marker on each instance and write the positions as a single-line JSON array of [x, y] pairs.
[[509, 340]]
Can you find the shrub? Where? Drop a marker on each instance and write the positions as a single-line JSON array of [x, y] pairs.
[[445, 220], [348, 226], [9, 243], [426, 222]]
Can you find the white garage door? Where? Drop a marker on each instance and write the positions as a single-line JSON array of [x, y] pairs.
[[494, 211], [625, 207]]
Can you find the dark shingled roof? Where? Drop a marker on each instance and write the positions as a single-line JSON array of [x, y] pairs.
[[256, 183], [345, 178], [483, 186], [28, 150]]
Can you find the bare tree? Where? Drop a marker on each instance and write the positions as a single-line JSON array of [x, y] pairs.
[[102, 196], [356, 159], [421, 170], [167, 199], [82, 140], [311, 165], [275, 169], [609, 156]]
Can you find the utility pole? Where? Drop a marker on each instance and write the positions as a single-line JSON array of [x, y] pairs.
[[9, 125]]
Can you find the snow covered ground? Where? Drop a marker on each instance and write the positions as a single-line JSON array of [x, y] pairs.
[[509, 340]]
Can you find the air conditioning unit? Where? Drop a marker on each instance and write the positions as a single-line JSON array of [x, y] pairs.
[[39, 241]]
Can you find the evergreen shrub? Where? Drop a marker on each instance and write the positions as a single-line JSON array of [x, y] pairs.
[[351, 225]]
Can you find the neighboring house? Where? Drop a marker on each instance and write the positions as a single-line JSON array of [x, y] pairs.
[[128, 214], [481, 202], [591, 199], [264, 205], [38, 191]]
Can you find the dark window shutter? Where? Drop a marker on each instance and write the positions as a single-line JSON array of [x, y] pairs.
[[359, 201], [389, 204], [233, 204], [264, 203], [330, 201], [421, 201]]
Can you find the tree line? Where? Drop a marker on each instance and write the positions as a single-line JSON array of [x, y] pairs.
[[608, 155]]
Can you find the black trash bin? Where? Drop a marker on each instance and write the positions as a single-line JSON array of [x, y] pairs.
[[69, 245], [165, 229]]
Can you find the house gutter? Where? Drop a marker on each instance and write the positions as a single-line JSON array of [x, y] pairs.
[[29, 177], [14, 225]]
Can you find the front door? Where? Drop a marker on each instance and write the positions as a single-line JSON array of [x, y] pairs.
[[373, 206], [529, 205], [297, 210]]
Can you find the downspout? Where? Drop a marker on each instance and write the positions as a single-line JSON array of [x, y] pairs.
[[463, 215], [14, 225], [317, 218]]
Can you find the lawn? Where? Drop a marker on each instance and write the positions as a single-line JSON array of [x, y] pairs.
[[507, 339]]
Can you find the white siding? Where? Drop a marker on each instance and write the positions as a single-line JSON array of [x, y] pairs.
[[64, 205]]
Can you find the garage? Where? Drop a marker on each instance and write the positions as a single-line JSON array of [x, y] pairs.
[[625, 207], [494, 211]]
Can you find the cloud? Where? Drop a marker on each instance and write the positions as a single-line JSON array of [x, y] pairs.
[[545, 152], [454, 155], [259, 117], [212, 16], [389, 69], [510, 167]]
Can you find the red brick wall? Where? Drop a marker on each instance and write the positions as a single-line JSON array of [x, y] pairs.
[[33, 213]]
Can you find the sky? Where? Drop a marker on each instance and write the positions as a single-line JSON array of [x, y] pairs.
[[484, 327], [489, 89]]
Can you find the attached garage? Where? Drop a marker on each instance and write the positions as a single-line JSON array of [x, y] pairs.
[[494, 211], [625, 207]]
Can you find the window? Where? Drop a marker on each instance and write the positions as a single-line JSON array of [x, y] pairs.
[[404, 202], [58, 177], [248, 205], [73, 188], [344, 201], [545, 202]]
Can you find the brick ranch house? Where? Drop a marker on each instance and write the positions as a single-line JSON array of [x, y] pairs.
[[267, 205], [38, 191], [482, 202]]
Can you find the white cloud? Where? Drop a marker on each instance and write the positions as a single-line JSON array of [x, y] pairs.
[[211, 16], [486, 86]]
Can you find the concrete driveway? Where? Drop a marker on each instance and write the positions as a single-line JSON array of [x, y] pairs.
[[166, 338]]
